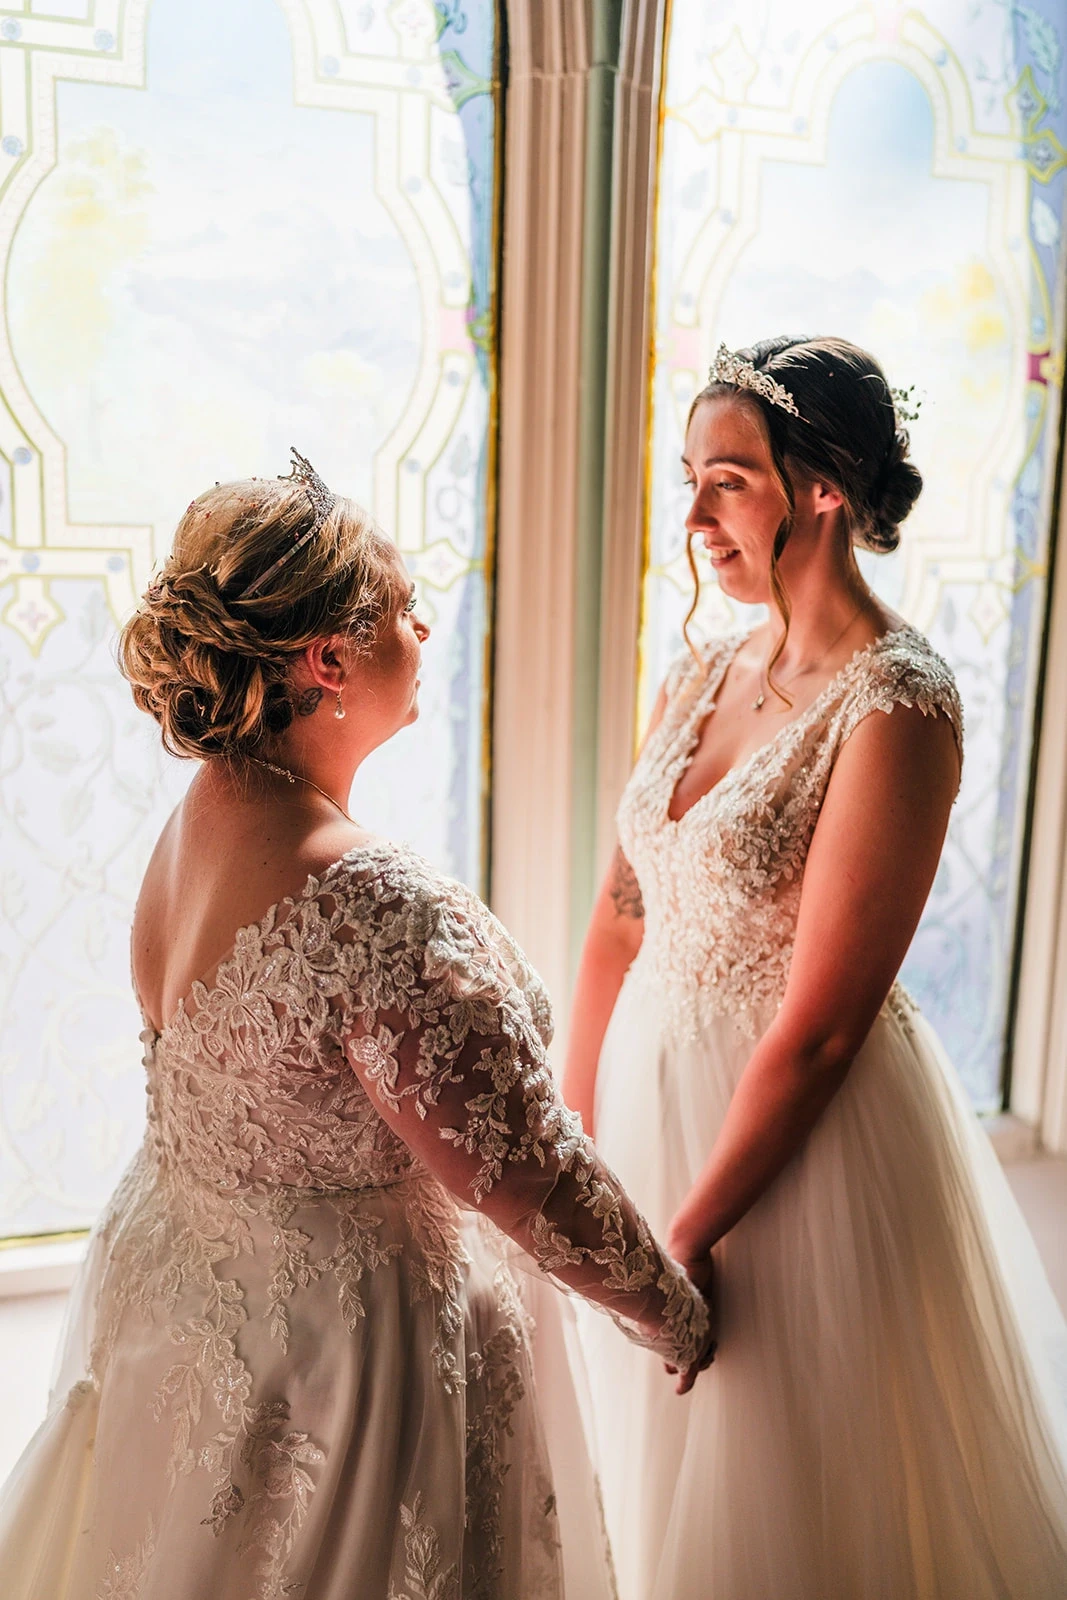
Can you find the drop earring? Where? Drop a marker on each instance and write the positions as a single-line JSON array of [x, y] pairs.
[[339, 710]]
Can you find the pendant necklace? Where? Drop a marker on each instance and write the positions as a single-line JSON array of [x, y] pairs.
[[295, 777], [761, 698]]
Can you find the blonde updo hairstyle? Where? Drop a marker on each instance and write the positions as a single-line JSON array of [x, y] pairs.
[[213, 668]]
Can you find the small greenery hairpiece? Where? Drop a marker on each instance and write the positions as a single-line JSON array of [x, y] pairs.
[[906, 403]]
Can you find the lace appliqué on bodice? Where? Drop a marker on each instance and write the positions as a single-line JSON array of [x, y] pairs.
[[379, 1034], [721, 886]]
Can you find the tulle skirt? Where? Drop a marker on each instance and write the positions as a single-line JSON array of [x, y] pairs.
[[886, 1415], [397, 1454]]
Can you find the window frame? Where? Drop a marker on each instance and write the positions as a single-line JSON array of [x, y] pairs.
[[565, 681]]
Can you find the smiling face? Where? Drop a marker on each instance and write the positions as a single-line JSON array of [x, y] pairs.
[[738, 503]]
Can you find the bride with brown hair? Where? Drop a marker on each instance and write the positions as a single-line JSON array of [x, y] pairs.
[[880, 1422], [297, 1361]]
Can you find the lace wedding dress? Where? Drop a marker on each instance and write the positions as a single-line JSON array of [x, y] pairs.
[[294, 1365], [881, 1421]]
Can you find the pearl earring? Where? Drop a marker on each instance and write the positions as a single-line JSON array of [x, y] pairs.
[[339, 710]]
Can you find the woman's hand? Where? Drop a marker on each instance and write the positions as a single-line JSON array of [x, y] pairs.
[[701, 1273]]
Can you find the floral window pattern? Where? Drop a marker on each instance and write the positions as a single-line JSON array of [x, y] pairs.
[[895, 176], [224, 230]]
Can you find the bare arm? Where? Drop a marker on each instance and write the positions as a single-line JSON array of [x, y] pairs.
[[613, 940], [616, 929], [869, 870]]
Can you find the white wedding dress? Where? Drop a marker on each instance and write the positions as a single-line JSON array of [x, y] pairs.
[[882, 1420], [294, 1365]]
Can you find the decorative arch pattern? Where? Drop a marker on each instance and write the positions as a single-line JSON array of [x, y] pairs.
[[752, 95], [403, 92], [410, 89]]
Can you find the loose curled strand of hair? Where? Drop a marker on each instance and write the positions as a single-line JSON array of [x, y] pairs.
[[782, 601], [694, 571]]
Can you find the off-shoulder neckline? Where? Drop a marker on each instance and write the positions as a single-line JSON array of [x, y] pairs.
[[286, 906]]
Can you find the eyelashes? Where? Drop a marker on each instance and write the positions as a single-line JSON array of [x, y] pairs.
[[731, 488], [412, 603]]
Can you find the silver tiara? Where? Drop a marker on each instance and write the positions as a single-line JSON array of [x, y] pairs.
[[729, 367], [322, 501]]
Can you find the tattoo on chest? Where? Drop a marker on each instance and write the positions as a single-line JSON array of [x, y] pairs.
[[625, 889]]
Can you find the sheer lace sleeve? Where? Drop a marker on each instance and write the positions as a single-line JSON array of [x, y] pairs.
[[449, 1042]]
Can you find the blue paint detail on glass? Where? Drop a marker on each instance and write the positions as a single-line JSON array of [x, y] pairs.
[[941, 311], [299, 321], [468, 51]]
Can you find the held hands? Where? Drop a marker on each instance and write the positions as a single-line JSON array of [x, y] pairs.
[[702, 1275]]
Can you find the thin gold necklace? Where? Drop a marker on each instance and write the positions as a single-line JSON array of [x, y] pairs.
[[298, 777], [760, 700]]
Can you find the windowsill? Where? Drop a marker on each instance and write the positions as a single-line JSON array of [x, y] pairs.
[[40, 1268], [1011, 1138]]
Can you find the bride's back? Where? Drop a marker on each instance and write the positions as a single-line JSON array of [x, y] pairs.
[[229, 852]]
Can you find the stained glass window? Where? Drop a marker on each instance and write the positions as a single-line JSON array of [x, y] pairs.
[[226, 228], [894, 176]]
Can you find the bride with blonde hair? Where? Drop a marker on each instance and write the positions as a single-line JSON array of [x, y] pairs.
[[297, 1359]]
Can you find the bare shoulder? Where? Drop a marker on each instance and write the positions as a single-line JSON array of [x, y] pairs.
[[328, 846], [902, 739]]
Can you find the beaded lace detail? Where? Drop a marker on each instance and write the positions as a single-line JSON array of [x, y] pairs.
[[379, 1034], [721, 885]]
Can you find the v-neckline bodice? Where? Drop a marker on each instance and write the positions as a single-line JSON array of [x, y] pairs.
[[692, 724]]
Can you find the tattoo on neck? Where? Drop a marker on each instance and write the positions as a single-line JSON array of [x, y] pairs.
[[625, 889], [307, 701]]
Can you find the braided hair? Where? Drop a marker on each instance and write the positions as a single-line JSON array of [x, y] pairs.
[[213, 668]]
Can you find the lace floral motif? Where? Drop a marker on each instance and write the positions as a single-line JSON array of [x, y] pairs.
[[276, 1182], [424, 1577], [446, 1000], [497, 1370], [721, 886], [123, 1576]]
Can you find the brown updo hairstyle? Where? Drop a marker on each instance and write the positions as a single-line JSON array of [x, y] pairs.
[[213, 668], [848, 435]]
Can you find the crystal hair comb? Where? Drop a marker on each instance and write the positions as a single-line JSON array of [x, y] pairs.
[[728, 367], [322, 501]]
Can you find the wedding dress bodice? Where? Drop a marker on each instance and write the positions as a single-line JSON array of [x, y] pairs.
[[366, 1065], [721, 886], [383, 1026], [883, 1418]]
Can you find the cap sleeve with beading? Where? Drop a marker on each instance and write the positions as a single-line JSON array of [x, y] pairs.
[[446, 1025], [903, 668]]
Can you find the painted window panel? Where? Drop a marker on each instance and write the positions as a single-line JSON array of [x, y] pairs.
[[225, 230], [895, 177]]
